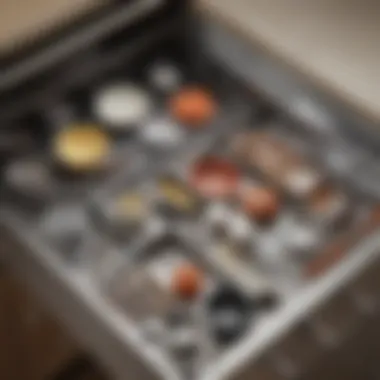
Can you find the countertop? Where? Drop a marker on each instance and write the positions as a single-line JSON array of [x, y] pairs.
[[334, 42]]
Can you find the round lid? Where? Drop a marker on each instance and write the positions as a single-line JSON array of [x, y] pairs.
[[176, 195], [130, 206], [214, 177], [81, 147], [28, 175], [230, 313], [162, 132], [165, 76], [260, 203], [122, 106], [187, 281], [193, 106]]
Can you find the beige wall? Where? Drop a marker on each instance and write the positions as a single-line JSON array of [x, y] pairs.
[[20, 19], [337, 42]]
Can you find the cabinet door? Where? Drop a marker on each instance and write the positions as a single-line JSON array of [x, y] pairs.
[[12, 357], [46, 344], [355, 356], [33, 345]]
